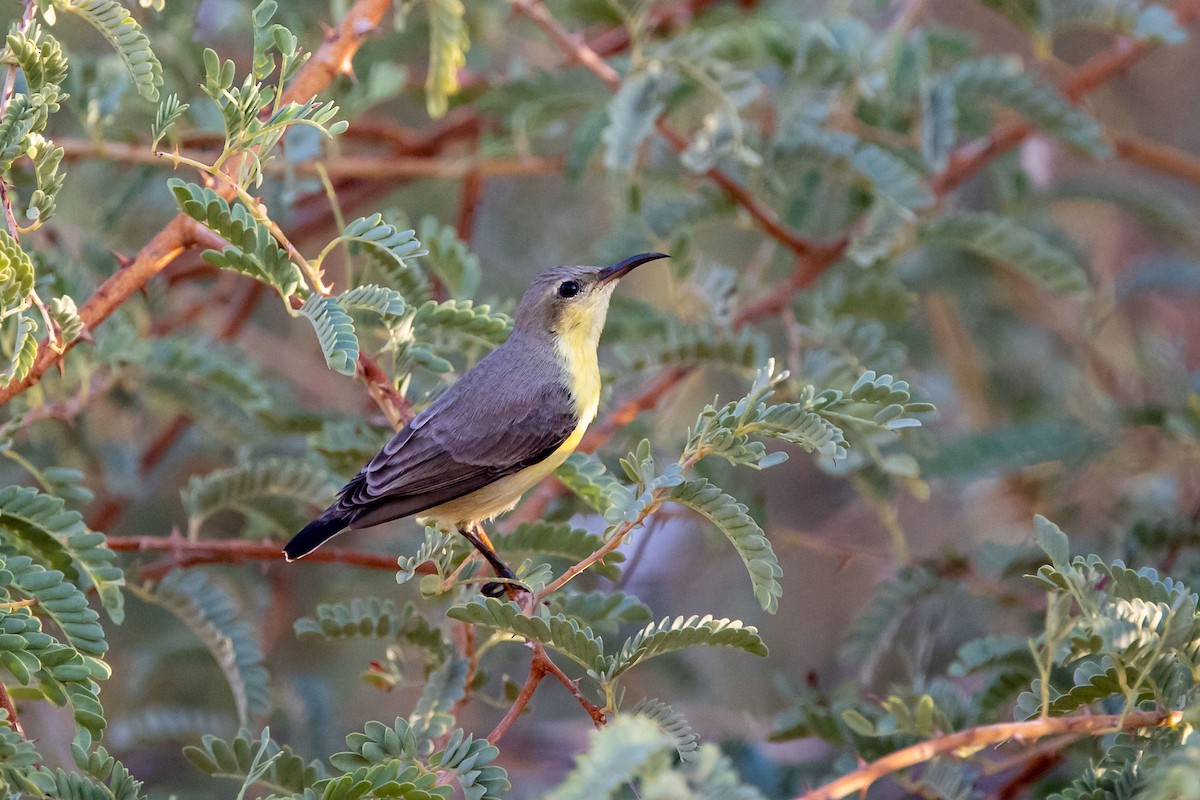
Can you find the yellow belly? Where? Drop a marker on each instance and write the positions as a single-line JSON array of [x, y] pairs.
[[496, 498], [576, 346]]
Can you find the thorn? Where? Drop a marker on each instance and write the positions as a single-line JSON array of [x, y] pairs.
[[123, 261]]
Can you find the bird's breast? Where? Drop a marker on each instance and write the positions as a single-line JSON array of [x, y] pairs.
[[576, 347]]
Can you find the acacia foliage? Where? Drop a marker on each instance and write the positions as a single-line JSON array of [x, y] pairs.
[[822, 145]]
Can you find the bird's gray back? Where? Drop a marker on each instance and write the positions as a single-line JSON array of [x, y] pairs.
[[509, 411]]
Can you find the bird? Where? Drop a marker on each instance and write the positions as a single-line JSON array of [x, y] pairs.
[[506, 424]]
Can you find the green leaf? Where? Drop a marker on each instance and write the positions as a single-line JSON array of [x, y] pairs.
[[685, 740], [632, 113], [553, 630], [743, 350], [449, 258], [25, 349], [874, 629], [1052, 541], [440, 547], [212, 614], [382, 239], [733, 519], [44, 528], [383, 301], [1011, 448], [558, 540], [1000, 239], [252, 250], [448, 45], [16, 272], [613, 757], [371, 618], [66, 317], [880, 232], [125, 35], [892, 177], [169, 111], [255, 490], [335, 332], [46, 158], [469, 759], [1158, 23], [375, 745], [601, 612], [1001, 81], [286, 772], [587, 477], [40, 57], [939, 122], [669, 636], [62, 601], [464, 317], [19, 117], [433, 714]]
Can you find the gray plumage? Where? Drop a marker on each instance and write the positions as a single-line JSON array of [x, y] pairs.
[[512, 410]]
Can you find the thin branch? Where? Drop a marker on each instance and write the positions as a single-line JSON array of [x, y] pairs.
[[1096, 71], [540, 666], [594, 711], [972, 739], [1170, 161], [363, 167], [537, 671], [187, 553], [331, 59]]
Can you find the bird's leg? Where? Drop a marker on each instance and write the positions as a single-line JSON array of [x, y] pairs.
[[475, 534]]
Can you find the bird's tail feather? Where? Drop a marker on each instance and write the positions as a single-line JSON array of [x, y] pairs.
[[315, 534]]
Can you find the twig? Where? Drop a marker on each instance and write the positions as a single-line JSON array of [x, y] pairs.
[[540, 666], [363, 167], [186, 553], [594, 711], [1164, 158], [537, 671], [972, 739]]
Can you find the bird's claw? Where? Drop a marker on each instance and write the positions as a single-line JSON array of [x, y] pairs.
[[498, 589]]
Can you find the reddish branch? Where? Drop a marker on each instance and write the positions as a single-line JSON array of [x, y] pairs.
[[187, 553], [1159, 157], [1096, 71], [331, 59], [539, 667], [975, 738]]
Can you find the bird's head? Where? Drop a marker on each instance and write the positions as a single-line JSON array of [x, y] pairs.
[[572, 301]]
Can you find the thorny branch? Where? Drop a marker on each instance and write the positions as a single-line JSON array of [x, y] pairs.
[[540, 666]]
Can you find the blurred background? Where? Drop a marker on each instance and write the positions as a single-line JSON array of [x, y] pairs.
[[1083, 406]]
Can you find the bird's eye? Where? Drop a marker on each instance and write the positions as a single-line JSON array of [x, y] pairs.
[[568, 288]]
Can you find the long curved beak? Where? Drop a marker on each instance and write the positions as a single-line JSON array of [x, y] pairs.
[[622, 268]]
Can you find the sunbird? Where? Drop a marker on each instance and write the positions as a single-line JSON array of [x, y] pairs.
[[510, 421]]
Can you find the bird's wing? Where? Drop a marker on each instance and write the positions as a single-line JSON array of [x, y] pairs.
[[479, 431]]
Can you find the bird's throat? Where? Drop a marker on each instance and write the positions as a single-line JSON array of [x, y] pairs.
[[576, 341]]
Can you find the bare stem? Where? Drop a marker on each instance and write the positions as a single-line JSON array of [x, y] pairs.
[[6, 703]]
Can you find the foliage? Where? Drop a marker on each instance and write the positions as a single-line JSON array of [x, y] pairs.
[[393, 174]]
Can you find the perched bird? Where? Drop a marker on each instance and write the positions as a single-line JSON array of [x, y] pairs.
[[510, 421]]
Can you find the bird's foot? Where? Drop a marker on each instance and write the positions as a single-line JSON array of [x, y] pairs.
[[500, 589]]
